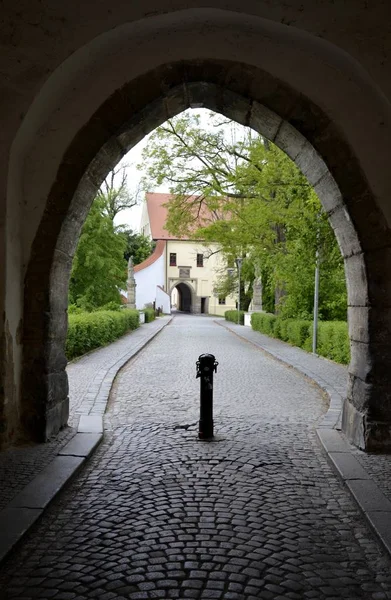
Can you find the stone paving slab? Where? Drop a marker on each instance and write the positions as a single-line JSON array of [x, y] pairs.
[[38, 487], [46, 485], [14, 523], [83, 444], [359, 470], [91, 423]]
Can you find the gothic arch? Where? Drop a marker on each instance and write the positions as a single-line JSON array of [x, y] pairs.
[[251, 97], [187, 295]]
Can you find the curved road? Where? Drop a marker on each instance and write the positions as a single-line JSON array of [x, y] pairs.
[[257, 514]]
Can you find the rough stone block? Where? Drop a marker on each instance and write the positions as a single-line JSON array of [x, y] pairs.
[[264, 121], [358, 317], [356, 280], [328, 192], [378, 264], [56, 417], [154, 115], [371, 362], [367, 434], [58, 387], [311, 164], [176, 101], [345, 232], [353, 424], [204, 95], [45, 486], [131, 133], [236, 107], [109, 155], [54, 355], [369, 220], [370, 324], [290, 140]]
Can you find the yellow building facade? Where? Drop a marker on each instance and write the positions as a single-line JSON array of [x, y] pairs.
[[187, 270]]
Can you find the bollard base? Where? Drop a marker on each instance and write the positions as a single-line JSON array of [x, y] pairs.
[[205, 429], [212, 440]]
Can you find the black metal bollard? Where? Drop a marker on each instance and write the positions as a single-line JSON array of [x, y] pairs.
[[206, 366]]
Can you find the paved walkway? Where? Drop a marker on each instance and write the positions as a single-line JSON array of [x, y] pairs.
[[89, 385], [333, 379], [258, 514]]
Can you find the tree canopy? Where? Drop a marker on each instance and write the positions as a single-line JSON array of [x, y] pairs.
[[99, 267], [233, 187]]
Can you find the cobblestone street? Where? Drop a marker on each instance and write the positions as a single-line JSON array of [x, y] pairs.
[[257, 514]]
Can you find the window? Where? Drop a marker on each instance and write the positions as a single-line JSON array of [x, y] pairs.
[[200, 260], [172, 259], [221, 300]]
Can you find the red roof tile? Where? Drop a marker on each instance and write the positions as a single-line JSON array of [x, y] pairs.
[[159, 249], [157, 213]]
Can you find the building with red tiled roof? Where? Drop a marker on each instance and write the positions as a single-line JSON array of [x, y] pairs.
[[182, 272]]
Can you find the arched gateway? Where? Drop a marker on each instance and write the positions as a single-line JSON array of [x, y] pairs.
[[289, 85]]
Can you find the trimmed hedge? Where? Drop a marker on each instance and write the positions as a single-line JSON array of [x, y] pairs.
[[333, 337], [232, 315], [88, 331], [149, 314]]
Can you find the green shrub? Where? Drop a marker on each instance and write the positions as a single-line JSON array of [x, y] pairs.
[[333, 338], [73, 309], [263, 322], [87, 331], [110, 306], [333, 341], [232, 315], [149, 314], [297, 332]]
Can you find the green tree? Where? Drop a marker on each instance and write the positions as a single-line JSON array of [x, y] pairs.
[[99, 267], [137, 245], [241, 191]]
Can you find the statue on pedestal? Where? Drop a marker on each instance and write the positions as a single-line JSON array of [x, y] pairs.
[[257, 290], [131, 285]]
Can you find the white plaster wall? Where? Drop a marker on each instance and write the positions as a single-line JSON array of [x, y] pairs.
[[146, 282], [163, 301], [145, 226]]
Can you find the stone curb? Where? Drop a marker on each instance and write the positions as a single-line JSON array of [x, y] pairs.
[[374, 505], [29, 504]]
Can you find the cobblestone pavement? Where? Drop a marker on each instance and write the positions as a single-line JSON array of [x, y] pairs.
[[333, 377], [18, 466], [258, 514]]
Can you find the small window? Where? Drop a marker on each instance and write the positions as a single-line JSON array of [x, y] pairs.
[[221, 300], [172, 259], [200, 260]]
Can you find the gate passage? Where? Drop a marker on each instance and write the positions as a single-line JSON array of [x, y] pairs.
[[206, 366]]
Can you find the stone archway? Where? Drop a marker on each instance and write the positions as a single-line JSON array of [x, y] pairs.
[[188, 299], [184, 293], [250, 97]]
